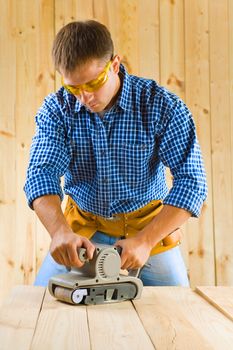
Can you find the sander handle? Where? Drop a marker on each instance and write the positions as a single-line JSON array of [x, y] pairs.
[[82, 254], [132, 272]]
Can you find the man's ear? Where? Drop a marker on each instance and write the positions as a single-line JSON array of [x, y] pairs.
[[116, 64]]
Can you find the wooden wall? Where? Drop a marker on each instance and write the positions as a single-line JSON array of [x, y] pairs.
[[186, 45]]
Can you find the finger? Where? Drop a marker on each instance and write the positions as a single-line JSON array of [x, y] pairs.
[[130, 266], [118, 244], [126, 266], [90, 247], [134, 267], [58, 258], [65, 258], [124, 261], [74, 258], [119, 248]]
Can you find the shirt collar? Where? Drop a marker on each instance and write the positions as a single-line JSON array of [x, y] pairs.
[[124, 100]]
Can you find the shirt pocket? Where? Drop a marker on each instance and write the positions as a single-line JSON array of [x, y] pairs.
[[132, 162]]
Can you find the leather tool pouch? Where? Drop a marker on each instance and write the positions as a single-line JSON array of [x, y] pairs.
[[173, 238]]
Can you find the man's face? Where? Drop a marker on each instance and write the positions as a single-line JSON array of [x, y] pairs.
[[98, 100]]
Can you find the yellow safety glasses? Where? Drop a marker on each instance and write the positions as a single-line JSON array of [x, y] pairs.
[[92, 85]]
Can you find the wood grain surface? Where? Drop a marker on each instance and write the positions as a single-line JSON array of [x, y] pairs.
[[221, 297], [164, 318]]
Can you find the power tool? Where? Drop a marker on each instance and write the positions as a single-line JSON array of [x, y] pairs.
[[99, 281]]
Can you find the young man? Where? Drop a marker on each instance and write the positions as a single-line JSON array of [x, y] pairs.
[[112, 135]]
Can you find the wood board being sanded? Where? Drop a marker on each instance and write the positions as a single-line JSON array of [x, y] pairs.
[[164, 318]]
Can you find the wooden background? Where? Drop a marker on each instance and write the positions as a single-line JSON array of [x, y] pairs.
[[186, 45]]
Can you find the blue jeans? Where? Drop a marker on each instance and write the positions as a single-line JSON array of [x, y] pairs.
[[164, 269]]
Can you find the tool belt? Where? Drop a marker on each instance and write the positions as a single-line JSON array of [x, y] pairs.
[[123, 225]]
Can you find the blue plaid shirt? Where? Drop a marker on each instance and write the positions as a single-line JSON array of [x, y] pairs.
[[117, 163]]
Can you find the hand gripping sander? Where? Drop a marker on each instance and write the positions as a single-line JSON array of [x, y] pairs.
[[98, 281]]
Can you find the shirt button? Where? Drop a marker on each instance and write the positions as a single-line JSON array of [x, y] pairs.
[[105, 180], [103, 152]]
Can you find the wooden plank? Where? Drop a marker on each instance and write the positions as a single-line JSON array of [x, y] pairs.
[[25, 109], [199, 233], [101, 9], [134, 26], [45, 84], [72, 10], [171, 56], [176, 317], [7, 146], [149, 55], [116, 326], [221, 139], [35, 79], [18, 317], [220, 297], [126, 22], [230, 13], [61, 326], [171, 21]]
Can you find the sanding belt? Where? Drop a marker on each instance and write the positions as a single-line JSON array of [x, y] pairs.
[[122, 225]]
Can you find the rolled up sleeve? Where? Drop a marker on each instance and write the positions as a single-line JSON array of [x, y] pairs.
[[180, 151], [49, 156]]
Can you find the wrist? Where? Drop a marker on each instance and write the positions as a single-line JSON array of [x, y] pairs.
[[62, 230], [145, 238]]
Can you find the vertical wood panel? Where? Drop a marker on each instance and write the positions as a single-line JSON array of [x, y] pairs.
[[199, 232], [45, 84], [72, 10], [221, 139], [25, 228], [172, 46], [230, 19], [7, 145], [127, 23], [171, 52], [148, 38], [101, 9], [29, 34]]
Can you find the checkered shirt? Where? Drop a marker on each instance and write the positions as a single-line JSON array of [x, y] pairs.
[[116, 164]]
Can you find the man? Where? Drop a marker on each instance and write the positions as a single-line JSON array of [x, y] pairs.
[[112, 135]]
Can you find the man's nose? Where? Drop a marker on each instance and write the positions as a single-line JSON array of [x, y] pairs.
[[84, 96]]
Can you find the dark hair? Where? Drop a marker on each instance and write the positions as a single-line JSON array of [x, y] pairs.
[[78, 42]]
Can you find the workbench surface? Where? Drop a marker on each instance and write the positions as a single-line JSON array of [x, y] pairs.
[[164, 318]]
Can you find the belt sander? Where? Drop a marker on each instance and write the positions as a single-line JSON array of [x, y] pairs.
[[98, 281]]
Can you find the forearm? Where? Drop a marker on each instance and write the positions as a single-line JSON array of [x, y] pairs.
[[64, 242], [164, 223], [136, 250], [48, 209]]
